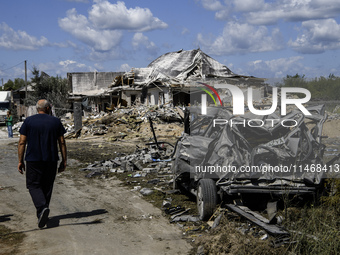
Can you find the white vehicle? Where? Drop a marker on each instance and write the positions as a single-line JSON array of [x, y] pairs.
[[5, 104]]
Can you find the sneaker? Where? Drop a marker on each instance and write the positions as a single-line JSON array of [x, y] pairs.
[[43, 218]]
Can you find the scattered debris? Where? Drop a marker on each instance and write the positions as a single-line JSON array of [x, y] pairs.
[[179, 214], [185, 218], [140, 163], [217, 221], [146, 191], [167, 203], [174, 210], [258, 220]]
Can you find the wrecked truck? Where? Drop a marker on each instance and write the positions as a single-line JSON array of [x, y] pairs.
[[222, 157]]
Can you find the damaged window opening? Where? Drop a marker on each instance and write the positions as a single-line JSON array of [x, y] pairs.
[[133, 99]]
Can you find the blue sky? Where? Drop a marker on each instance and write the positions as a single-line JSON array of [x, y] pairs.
[[262, 38]]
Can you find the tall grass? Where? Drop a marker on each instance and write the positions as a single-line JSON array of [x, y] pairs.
[[315, 229], [325, 88]]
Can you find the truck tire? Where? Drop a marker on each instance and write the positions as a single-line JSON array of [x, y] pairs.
[[206, 198]]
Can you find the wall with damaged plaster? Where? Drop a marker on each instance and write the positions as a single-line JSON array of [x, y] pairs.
[[158, 96], [131, 96], [91, 81]]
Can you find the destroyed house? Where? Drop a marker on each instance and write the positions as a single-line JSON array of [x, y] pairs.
[[92, 89], [175, 78]]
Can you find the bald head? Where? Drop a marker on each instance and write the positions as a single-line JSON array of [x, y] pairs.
[[43, 106]]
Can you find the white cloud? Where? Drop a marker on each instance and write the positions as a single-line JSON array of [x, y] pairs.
[[317, 36], [223, 11], [105, 15], [248, 5], [248, 21], [104, 27], [185, 31], [79, 26], [61, 68], [277, 68], [264, 12], [211, 5], [223, 14], [265, 17], [242, 38], [141, 41], [293, 11], [71, 63], [67, 62], [124, 68], [19, 40], [63, 44], [98, 66]]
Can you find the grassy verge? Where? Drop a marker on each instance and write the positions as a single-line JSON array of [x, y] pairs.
[[315, 230]]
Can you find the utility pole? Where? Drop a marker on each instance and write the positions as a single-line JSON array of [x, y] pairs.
[[25, 82]]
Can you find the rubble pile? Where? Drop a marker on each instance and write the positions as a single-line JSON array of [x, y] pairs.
[[141, 163], [131, 122]]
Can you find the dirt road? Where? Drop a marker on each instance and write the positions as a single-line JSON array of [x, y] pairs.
[[101, 218]]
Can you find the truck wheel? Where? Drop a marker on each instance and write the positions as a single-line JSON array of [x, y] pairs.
[[206, 198]]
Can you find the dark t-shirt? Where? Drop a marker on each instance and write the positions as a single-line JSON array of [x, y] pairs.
[[42, 132]]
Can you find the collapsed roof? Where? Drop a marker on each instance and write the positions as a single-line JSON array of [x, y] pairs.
[[183, 65], [178, 67]]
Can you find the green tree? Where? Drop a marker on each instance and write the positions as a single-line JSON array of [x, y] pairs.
[[13, 85], [19, 83], [36, 75], [54, 89], [10, 85]]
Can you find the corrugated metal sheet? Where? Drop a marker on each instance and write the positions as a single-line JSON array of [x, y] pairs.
[[195, 62], [180, 67]]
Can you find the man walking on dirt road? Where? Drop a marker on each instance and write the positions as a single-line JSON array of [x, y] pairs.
[[42, 133]]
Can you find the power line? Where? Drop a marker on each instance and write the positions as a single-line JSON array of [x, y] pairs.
[[12, 67]]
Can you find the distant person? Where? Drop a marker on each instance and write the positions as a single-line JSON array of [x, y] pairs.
[[9, 124], [42, 133]]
